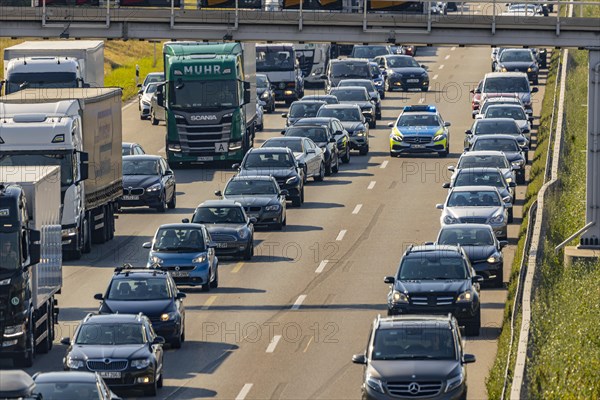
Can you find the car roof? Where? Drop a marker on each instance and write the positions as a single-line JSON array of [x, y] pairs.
[[341, 105], [467, 226], [474, 189], [356, 80], [396, 56], [482, 153], [142, 157], [112, 318], [318, 96], [475, 170], [495, 136], [284, 139], [302, 100], [270, 149], [352, 60], [493, 120], [348, 87], [219, 203], [431, 321], [180, 225], [65, 376], [431, 248], [512, 104], [505, 74], [252, 177]]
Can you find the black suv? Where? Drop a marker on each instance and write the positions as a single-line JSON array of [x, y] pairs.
[[436, 280], [348, 68], [122, 348], [414, 357], [151, 292]]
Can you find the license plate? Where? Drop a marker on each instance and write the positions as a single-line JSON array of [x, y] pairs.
[[412, 80], [205, 158], [222, 245], [180, 274], [131, 197], [110, 374], [418, 146], [221, 147]]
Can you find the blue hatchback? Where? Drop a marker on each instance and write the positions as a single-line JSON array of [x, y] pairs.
[[187, 252]]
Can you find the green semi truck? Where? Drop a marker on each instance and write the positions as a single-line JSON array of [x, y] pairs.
[[209, 97]]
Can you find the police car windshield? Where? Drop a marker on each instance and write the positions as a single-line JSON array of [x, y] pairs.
[[343, 114], [483, 161], [203, 95], [110, 334], [317, 134], [480, 178], [418, 120], [414, 343], [219, 215], [466, 237], [436, 266], [248, 188], [180, 240], [138, 289], [505, 145], [474, 199]]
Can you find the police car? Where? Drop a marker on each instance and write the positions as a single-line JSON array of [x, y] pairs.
[[419, 129]]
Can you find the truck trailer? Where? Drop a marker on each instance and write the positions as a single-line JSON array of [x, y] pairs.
[[31, 259], [78, 129]]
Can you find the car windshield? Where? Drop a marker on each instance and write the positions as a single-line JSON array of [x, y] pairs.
[[418, 120], [219, 215], [295, 144], [154, 78], [9, 250], [269, 160], [181, 240], [304, 109], [350, 70], [366, 84], [483, 161], [490, 127], [436, 266], [67, 390], [274, 59], [505, 145], [506, 84], [203, 95], [316, 133], [516, 113], [474, 199], [516, 56], [350, 94], [126, 150], [140, 167], [466, 236], [369, 51], [151, 88], [110, 334], [343, 114], [402, 62], [262, 81], [138, 289], [416, 342], [326, 99], [467, 177], [248, 187]]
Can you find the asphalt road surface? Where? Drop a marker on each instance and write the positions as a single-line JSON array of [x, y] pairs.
[[285, 325]]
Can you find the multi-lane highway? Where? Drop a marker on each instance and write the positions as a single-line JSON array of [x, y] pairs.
[[286, 324]]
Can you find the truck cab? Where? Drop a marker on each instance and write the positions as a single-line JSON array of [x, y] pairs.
[[279, 63], [42, 72]]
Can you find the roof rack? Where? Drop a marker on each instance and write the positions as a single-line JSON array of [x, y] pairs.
[[88, 316], [125, 266]]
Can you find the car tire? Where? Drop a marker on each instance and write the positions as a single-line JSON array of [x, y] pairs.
[[215, 283], [373, 124], [364, 150], [260, 127], [346, 157], [473, 326], [173, 202], [153, 119], [207, 285], [536, 81], [152, 390], [521, 178], [305, 174], [499, 281], [142, 117], [176, 343], [445, 152], [160, 382], [336, 168], [163, 206], [382, 95], [297, 201], [249, 252], [387, 86], [510, 215], [425, 89], [328, 168], [378, 115], [321, 176]]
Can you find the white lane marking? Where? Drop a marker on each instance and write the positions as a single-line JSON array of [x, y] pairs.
[[273, 344], [453, 48], [341, 235], [357, 209], [422, 100], [371, 185], [447, 57], [298, 302], [384, 164], [209, 302], [161, 149], [441, 66], [435, 76], [321, 266], [244, 392]]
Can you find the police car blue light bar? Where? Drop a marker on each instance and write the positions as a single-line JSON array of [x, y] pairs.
[[429, 108]]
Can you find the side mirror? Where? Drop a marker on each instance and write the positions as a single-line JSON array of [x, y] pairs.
[[503, 243], [180, 296], [301, 165], [158, 340], [359, 359], [468, 359], [366, 113], [479, 116], [468, 132], [389, 279], [211, 245], [283, 132], [525, 130], [428, 243], [147, 245], [160, 99], [534, 90], [34, 247], [139, 85], [466, 148], [83, 166], [512, 184], [524, 148], [284, 192], [235, 166], [331, 140], [218, 193], [66, 341], [311, 151], [506, 199], [447, 123], [439, 206], [323, 76], [253, 220], [472, 91], [508, 205], [168, 172], [98, 296], [284, 115], [140, 91], [477, 279], [247, 94], [424, 66], [446, 185], [390, 124], [451, 168]]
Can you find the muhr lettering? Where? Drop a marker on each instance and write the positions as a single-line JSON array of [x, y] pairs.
[[202, 69]]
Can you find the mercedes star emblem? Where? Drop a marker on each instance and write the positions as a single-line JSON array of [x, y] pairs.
[[414, 388]]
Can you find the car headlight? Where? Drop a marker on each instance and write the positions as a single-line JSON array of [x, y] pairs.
[[360, 133], [140, 364], [146, 103], [242, 233], [518, 163], [532, 68], [292, 180], [396, 138], [156, 260], [503, 69], [455, 382], [391, 72], [273, 207], [465, 297], [494, 258], [199, 259], [439, 137], [168, 316], [73, 363], [508, 180], [449, 219], [12, 331], [154, 188], [5, 282], [378, 83], [399, 297], [265, 95], [375, 384], [497, 219]]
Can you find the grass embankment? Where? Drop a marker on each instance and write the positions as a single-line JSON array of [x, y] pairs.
[[495, 379], [120, 59]]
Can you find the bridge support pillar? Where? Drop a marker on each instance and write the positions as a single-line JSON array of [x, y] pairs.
[[591, 238]]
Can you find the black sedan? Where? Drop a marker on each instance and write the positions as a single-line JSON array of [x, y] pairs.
[[261, 198], [323, 137], [357, 95], [148, 181], [229, 227], [494, 126], [279, 163], [482, 247], [265, 92], [67, 385], [352, 121], [509, 146], [371, 89], [152, 293], [309, 155], [403, 72], [335, 126], [519, 60], [301, 109], [121, 348]]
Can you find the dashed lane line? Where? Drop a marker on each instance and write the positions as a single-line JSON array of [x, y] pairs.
[[244, 392], [371, 185], [321, 266], [273, 344], [357, 209], [298, 302], [341, 235], [209, 302]]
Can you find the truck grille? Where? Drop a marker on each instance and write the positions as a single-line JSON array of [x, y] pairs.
[[417, 139], [433, 300], [414, 389], [107, 365], [203, 137]]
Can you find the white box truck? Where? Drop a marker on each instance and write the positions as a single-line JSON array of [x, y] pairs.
[[72, 128], [31, 259], [52, 64]]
